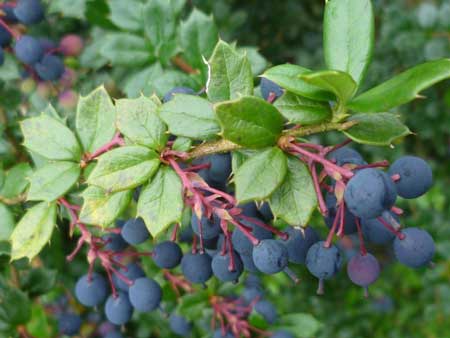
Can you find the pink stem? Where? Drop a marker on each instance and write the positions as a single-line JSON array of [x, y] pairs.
[[265, 226], [246, 232], [329, 239], [397, 210], [10, 31], [337, 146], [361, 238], [395, 177], [399, 234], [322, 205], [116, 141], [380, 164]]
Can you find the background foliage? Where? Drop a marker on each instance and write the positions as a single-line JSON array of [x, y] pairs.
[[126, 55]]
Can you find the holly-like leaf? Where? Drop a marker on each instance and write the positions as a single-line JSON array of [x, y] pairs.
[[339, 83], [198, 36], [288, 77], [257, 60], [138, 120], [101, 208], [295, 199], [95, 120], [250, 121], [53, 180], [402, 88], [141, 81], [349, 35], [38, 281], [126, 14], [6, 222], [259, 176], [190, 116], [33, 231], [124, 168], [125, 49], [50, 138], [161, 203], [230, 74], [377, 129], [301, 110], [16, 180]]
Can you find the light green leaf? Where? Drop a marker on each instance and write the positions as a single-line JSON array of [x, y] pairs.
[[182, 144], [6, 222], [173, 78], [124, 168], [303, 325], [295, 199], [288, 77], [250, 121], [53, 181], [50, 138], [377, 129], [190, 116], [402, 88], [138, 120], [349, 35], [141, 82], [339, 83], [125, 49], [198, 36], [301, 110], [39, 325], [230, 74], [95, 120], [16, 180], [127, 14], [161, 202], [257, 60], [33, 231], [101, 208], [259, 176]]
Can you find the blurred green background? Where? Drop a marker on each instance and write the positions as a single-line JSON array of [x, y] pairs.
[[404, 303]]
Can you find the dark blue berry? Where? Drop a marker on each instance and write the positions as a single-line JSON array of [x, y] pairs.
[[114, 242], [133, 272], [282, 334], [2, 56], [28, 50], [375, 232], [8, 10], [167, 254], [266, 212], [363, 270], [416, 177], [210, 228], [5, 37], [220, 168], [270, 256], [267, 310], [249, 209], [253, 293], [180, 325], [135, 231], [145, 294], [219, 334], [242, 244], [346, 155], [69, 324], [50, 68], [268, 87], [177, 90], [323, 262], [118, 310], [416, 249], [196, 267], [91, 291], [299, 242], [247, 261], [220, 266], [369, 193], [29, 12], [114, 334]]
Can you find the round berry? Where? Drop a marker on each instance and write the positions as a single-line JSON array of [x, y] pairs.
[[221, 267], [28, 50], [29, 12], [349, 218], [299, 242], [375, 232], [135, 231], [269, 87], [5, 37], [267, 310], [210, 228], [346, 155], [118, 310], [167, 255], [323, 262], [363, 270], [50, 68], [69, 324], [242, 244], [91, 291], [416, 249], [180, 325], [145, 294], [270, 256], [196, 267], [71, 45], [177, 90], [132, 272]]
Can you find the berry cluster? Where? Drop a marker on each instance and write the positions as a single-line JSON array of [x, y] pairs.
[[38, 55]]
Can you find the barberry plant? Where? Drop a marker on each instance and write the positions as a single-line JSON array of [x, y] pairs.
[[229, 165]]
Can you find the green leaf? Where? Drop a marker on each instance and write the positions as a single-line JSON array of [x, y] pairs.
[[141, 82], [190, 116], [161, 202], [260, 175], [53, 181], [288, 77], [126, 14], [50, 138], [402, 88], [38, 281], [349, 33], [198, 36], [16, 180], [95, 119], [295, 199], [33, 231], [257, 60], [339, 83], [138, 120], [15, 307], [303, 325], [250, 121], [376, 129], [182, 144], [125, 49], [124, 168], [173, 78], [301, 110], [68, 8], [101, 208], [39, 325], [6, 222], [230, 74]]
